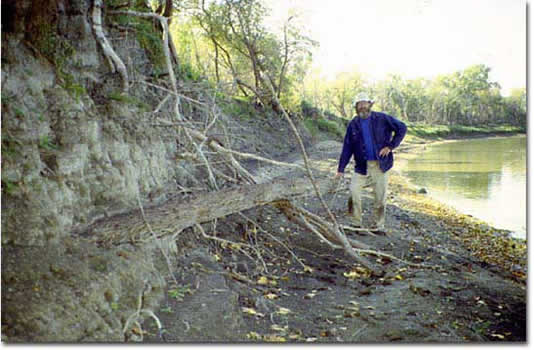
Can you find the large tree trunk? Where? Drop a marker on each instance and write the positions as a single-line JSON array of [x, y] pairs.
[[175, 216]]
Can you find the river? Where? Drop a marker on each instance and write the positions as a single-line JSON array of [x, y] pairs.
[[485, 178]]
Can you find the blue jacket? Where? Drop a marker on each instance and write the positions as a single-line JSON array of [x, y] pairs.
[[382, 128]]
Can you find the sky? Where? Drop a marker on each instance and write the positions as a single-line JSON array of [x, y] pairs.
[[415, 38]]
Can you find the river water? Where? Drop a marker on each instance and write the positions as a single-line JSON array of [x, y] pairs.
[[485, 178]]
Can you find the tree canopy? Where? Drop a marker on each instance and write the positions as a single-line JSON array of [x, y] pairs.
[[228, 43]]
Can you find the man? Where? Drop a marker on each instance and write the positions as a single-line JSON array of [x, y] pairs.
[[370, 138]]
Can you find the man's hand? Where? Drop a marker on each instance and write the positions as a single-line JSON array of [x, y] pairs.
[[384, 151], [338, 175]]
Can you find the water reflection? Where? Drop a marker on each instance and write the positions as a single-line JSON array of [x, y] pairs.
[[469, 184], [485, 178]]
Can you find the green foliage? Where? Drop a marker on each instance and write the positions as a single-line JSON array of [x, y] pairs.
[[463, 98], [150, 41], [45, 39], [71, 86], [426, 131], [187, 72], [312, 127], [10, 146], [330, 126], [315, 126], [238, 107], [228, 43], [148, 36], [60, 52], [179, 292], [18, 112], [307, 109], [45, 143], [166, 309], [9, 187]]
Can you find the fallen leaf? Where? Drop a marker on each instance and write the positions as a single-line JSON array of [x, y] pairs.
[[271, 296], [500, 336], [351, 274], [137, 331], [399, 277], [235, 246], [352, 314], [274, 338], [278, 328], [308, 269], [309, 296], [263, 280], [311, 339], [251, 311], [361, 270], [254, 336], [283, 311]]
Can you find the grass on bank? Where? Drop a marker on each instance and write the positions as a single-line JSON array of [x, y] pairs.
[[434, 132]]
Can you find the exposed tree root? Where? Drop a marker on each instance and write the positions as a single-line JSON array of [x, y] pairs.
[[113, 59]]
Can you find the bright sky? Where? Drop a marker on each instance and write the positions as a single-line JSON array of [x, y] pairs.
[[416, 38]]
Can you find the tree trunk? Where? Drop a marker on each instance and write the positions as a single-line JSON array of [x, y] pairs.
[[177, 215], [168, 9]]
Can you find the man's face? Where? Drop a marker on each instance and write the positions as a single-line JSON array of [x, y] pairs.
[[363, 108]]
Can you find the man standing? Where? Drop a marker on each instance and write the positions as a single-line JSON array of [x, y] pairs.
[[371, 138]]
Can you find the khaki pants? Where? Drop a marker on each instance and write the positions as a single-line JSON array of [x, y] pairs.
[[379, 181]]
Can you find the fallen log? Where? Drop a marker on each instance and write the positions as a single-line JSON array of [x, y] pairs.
[[174, 216]]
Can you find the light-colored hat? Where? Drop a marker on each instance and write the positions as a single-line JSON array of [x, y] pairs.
[[362, 96]]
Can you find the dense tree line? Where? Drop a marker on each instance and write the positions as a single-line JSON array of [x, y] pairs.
[[465, 97], [228, 43]]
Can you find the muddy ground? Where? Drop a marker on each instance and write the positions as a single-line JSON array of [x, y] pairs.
[[277, 282]]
